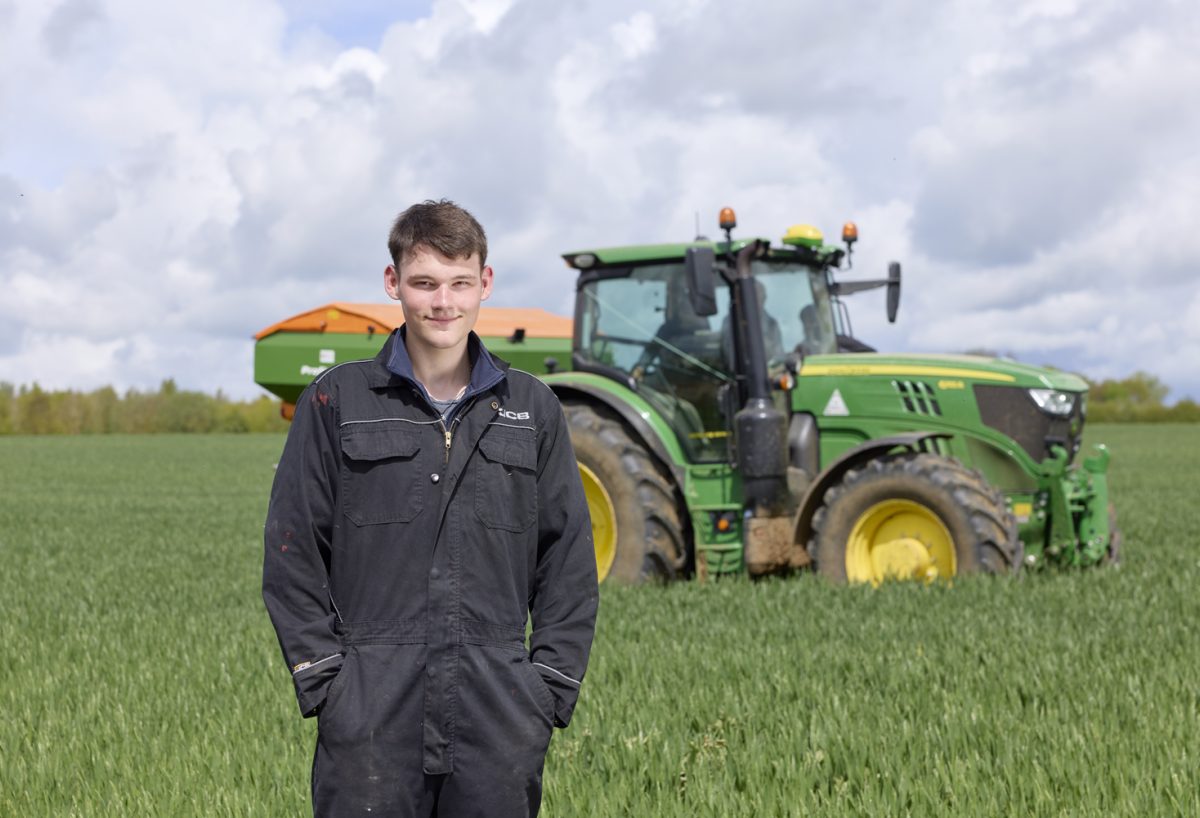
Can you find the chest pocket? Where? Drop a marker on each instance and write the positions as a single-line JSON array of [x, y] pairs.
[[506, 480], [379, 476]]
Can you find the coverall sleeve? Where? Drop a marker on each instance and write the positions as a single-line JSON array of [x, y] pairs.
[[565, 597], [297, 549]]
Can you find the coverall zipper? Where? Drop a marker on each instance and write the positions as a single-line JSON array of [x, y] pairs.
[[449, 432]]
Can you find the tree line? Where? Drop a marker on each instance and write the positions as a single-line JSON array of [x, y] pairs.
[[1140, 398], [31, 410]]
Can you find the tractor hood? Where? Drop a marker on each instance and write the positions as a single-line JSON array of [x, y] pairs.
[[974, 368]]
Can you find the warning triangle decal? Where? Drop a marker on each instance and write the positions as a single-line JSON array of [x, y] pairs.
[[836, 406]]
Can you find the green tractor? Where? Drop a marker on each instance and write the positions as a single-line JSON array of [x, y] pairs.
[[725, 420]]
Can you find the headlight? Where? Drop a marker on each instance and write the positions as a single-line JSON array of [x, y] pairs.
[[1053, 402]]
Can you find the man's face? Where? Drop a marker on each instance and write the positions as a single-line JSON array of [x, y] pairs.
[[440, 296]]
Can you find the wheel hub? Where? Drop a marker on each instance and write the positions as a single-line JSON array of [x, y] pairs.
[[899, 539], [903, 558], [604, 520]]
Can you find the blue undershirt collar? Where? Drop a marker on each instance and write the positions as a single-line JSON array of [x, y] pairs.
[[485, 371]]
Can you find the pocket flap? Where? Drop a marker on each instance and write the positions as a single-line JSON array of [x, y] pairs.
[[361, 444], [510, 451]]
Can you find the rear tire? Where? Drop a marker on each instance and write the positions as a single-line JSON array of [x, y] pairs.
[[636, 525], [913, 517]]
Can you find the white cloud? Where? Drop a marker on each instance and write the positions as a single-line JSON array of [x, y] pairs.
[[175, 177], [635, 36], [486, 13]]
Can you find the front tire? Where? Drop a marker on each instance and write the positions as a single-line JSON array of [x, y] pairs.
[[913, 517], [636, 526]]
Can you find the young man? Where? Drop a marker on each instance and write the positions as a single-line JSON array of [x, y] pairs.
[[426, 504]]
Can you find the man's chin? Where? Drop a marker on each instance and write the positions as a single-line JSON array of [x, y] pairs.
[[446, 337]]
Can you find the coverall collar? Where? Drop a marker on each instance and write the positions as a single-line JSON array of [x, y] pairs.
[[486, 370]]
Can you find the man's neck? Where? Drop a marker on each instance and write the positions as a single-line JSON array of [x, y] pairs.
[[444, 373]]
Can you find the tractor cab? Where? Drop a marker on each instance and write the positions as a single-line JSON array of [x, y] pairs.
[[636, 322]]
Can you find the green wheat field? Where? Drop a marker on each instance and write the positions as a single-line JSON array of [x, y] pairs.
[[140, 675]]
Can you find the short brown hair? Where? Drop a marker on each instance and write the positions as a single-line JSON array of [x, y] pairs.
[[444, 226]]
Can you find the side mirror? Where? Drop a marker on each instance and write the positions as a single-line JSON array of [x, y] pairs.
[[698, 264], [893, 291]]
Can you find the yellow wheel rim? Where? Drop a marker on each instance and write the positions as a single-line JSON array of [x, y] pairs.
[[899, 539], [604, 520]]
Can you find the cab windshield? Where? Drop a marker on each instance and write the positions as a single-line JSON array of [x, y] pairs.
[[640, 322]]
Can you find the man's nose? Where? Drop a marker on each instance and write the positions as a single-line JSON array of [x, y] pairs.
[[441, 296]]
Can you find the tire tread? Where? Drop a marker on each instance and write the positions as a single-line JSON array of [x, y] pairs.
[[998, 548], [664, 544]]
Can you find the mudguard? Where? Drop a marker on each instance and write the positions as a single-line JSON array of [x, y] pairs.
[[642, 428], [912, 441]]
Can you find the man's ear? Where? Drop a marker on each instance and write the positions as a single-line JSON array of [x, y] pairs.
[[486, 276], [391, 282]]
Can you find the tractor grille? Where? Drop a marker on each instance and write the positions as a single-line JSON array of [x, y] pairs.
[[1010, 410], [917, 397]]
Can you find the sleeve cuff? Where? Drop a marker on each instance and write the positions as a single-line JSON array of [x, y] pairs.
[[565, 690], [312, 680]]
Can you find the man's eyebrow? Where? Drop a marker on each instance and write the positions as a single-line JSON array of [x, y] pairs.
[[451, 279]]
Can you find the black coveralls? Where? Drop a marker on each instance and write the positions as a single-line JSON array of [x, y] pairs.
[[403, 555]]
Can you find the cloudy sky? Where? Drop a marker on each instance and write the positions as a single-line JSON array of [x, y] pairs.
[[176, 176]]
